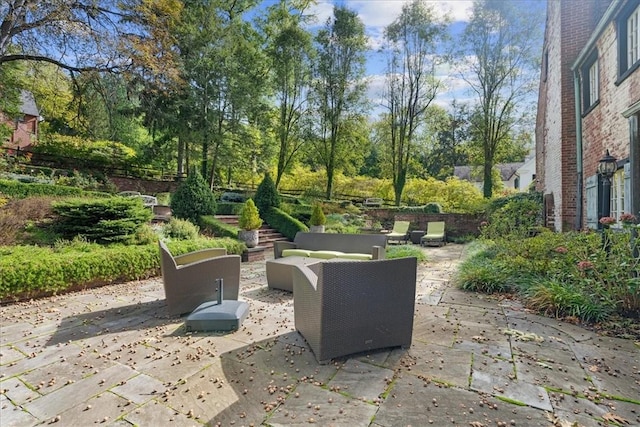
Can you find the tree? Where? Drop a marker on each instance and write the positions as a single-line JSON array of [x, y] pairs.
[[290, 51], [86, 35], [449, 137], [339, 86], [503, 42], [224, 70], [411, 83]]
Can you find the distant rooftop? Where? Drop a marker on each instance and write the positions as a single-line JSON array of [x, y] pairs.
[[507, 170], [28, 104]]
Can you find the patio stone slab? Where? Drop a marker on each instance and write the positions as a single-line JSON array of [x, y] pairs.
[[315, 405], [117, 359], [361, 380]]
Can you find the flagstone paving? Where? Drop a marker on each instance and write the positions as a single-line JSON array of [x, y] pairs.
[[111, 356]]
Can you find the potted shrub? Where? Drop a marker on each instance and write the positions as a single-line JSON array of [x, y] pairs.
[[249, 222], [317, 220]]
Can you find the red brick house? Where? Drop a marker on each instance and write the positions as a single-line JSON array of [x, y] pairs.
[[588, 103], [25, 126]]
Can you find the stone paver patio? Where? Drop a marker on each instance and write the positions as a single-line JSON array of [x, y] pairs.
[[111, 356]]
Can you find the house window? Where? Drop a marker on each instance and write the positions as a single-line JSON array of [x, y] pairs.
[[621, 193], [590, 83], [629, 39], [593, 82], [617, 194]]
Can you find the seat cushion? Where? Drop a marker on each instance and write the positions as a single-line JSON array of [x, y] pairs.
[[325, 254], [363, 257], [296, 252]]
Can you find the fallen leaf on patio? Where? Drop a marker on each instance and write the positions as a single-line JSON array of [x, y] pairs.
[[479, 338], [609, 417], [593, 368], [559, 422], [476, 424]]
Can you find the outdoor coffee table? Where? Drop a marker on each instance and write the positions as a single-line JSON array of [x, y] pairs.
[[280, 271]]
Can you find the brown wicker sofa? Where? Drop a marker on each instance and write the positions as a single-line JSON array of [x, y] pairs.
[[333, 245], [347, 307]]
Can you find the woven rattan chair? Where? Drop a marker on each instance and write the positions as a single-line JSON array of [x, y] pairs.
[[347, 307], [190, 279]]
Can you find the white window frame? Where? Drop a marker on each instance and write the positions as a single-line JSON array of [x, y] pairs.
[[594, 87], [618, 196], [633, 37]]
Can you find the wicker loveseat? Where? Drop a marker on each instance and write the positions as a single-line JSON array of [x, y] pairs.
[[347, 307], [333, 245]]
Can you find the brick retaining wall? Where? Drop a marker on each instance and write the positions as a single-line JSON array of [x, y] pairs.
[[457, 225]]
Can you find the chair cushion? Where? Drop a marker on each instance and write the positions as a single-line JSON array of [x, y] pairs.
[[295, 252], [325, 254], [363, 257]]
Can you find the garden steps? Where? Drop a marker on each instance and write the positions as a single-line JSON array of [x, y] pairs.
[[267, 235]]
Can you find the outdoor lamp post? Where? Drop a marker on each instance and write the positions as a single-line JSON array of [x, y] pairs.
[[606, 168]]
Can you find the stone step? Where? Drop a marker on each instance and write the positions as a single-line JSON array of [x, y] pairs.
[[267, 235]]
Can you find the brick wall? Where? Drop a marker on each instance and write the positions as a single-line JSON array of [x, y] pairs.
[[604, 127], [569, 26], [457, 225]]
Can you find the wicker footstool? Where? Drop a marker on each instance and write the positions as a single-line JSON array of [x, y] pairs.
[[279, 271]]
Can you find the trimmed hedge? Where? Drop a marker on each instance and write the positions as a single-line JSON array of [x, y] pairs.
[[287, 225], [21, 190], [214, 226], [32, 271]]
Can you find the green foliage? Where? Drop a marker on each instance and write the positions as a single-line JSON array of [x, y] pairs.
[[559, 274], [317, 216], [249, 218], [213, 226], [267, 196], [193, 198], [31, 271], [228, 208], [81, 152], [180, 229], [404, 251], [22, 190], [284, 223], [518, 216], [114, 219]]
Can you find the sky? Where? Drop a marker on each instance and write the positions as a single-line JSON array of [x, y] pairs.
[[376, 15]]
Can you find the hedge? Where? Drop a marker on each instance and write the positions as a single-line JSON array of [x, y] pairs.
[[21, 190], [31, 271]]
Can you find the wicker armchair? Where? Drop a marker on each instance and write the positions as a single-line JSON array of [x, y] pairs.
[[347, 307], [190, 279]]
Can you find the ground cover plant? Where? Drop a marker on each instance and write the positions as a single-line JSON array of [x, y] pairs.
[[587, 277], [57, 243]]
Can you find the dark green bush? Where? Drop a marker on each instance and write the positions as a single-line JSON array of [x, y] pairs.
[[193, 198], [114, 219], [267, 196], [228, 208], [22, 190], [232, 197], [287, 225]]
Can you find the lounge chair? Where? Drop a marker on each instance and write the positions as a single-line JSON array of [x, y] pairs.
[[190, 279], [347, 307], [400, 232], [435, 234]]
